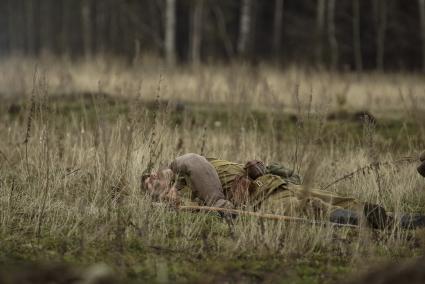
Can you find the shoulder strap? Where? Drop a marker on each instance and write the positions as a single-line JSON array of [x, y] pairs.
[[265, 185]]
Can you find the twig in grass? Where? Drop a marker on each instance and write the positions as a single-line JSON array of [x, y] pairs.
[[30, 117], [367, 168], [203, 141], [46, 187], [297, 128], [71, 172], [309, 180]]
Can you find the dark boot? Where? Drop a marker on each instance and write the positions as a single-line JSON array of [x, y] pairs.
[[421, 169], [376, 216], [342, 216], [412, 221]]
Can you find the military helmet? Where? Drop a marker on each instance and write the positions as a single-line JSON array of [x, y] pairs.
[[255, 169], [421, 169]]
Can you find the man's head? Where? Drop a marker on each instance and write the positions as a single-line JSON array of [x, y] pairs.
[[158, 183]]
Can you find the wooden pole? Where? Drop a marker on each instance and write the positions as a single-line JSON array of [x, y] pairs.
[[276, 217]]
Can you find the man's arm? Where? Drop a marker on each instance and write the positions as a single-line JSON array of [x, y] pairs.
[[201, 176], [180, 182]]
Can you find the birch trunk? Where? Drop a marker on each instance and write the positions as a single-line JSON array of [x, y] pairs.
[[170, 32], [244, 27], [196, 38]]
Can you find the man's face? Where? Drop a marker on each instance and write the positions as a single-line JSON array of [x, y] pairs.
[[158, 183]]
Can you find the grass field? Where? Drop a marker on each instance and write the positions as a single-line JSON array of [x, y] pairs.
[[75, 138]]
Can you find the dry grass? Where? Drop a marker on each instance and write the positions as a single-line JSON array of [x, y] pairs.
[[73, 188], [262, 86]]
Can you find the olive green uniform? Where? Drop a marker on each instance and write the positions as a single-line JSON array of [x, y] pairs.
[[277, 194], [270, 192], [278, 191]]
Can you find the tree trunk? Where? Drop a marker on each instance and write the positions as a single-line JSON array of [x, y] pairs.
[[277, 26], [45, 27], [333, 43], [157, 25], [356, 36], [86, 26], [29, 7], [244, 27], [11, 26], [65, 29], [320, 24], [170, 32], [196, 37], [381, 28], [101, 30], [222, 30], [114, 31], [422, 23]]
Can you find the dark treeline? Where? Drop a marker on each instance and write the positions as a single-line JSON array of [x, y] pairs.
[[337, 34]]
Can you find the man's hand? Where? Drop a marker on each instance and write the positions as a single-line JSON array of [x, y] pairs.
[[171, 196]]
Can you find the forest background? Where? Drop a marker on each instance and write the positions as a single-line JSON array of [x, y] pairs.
[[346, 35]]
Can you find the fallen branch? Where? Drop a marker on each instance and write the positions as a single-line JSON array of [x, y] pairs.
[[369, 167], [276, 217]]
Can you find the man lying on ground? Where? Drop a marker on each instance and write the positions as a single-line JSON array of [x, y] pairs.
[[273, 189]]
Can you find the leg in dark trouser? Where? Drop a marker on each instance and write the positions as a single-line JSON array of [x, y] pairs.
[[342, 216], [374, 215], [411, 221], [377, 218]]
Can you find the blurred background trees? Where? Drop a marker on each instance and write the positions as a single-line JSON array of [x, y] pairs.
[[340, 35]]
